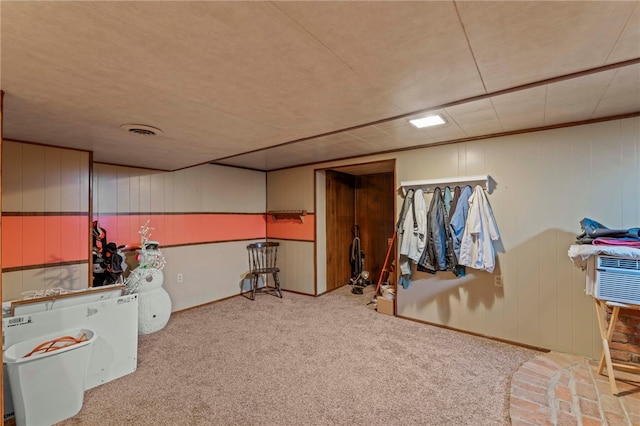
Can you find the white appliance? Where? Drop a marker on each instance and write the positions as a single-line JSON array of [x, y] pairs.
[[48, 387], [617, 279], [114, 320]]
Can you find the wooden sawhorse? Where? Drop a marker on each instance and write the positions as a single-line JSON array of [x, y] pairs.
[[606, 333]]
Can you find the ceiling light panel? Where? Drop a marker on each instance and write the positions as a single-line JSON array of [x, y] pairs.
[[429, 121]]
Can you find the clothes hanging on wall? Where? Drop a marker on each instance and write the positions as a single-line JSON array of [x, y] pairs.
[[476, 247], [436, 256], [457, 230]]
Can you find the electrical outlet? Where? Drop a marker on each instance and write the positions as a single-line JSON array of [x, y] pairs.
[[179, 278], [497, 280]]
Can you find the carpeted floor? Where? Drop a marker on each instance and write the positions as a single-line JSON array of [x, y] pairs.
[[300, 360]]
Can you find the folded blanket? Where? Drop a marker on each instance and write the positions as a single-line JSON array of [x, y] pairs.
[[627, 242], [592, 230]]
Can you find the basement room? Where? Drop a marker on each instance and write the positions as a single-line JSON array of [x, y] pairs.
[[320, 213]]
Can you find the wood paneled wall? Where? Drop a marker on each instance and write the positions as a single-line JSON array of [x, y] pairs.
[[297, 240], [374, 213], [546, 182], [45, 214], [293, 190], [295, 260], [203, 225], [45, 195], [340, 218]]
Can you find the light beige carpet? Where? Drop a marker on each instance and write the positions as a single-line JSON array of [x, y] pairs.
[[300, 360]]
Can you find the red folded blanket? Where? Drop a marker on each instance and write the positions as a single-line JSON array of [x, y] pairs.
[[627, 242]]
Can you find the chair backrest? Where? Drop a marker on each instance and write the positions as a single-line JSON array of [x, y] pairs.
[[263, 256]]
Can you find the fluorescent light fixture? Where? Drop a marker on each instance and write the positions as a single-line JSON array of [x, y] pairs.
[[432, 120]]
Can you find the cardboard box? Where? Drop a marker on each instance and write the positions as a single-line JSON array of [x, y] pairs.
[[386, 306]]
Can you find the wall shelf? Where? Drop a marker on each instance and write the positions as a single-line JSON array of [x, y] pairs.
[[428, 185], [288, 214]]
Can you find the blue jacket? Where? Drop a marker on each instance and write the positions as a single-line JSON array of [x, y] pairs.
[[438, 252], [459, 219]]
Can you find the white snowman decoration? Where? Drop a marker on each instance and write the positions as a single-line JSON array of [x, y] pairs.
[[154, 303]]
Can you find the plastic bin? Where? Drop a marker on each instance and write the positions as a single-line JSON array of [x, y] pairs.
[[48, 387]]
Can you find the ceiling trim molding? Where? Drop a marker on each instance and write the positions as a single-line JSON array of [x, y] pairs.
[[376, 164], [46, 145], [467, 139]]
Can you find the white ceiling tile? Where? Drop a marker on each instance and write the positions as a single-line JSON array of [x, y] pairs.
[[395, 123], [628, 45], [248, 78], [521, 96], [470, 107], [595, 83], [623, 104], [626, 80], [567, 111], [484, 127], [475, 117], [403, 61], [516, 43], [529, 120], [521, 108], [407, 133], [368, 132], [581, 99], [451, 131]]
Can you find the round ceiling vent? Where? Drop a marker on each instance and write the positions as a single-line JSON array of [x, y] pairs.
[[141, 129]]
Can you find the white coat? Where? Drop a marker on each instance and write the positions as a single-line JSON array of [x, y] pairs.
[[476, 247], [414, 238]]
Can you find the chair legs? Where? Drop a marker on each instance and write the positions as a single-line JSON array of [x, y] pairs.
[[255, 279], [276, 280], [254, 286]]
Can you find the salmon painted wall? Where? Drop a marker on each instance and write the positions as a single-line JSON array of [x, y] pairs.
[[45, 216], [183, 229], [203, 226], [292, 229], [546, 182]]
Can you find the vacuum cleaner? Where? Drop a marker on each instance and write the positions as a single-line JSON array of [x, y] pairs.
[[359, 277]]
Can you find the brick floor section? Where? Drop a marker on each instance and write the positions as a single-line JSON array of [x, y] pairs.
[[559, 389]]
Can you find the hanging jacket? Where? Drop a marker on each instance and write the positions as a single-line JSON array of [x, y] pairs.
[[450, 257], [448, 199], [415, 226], [454, 201], [438, 254], [476, 247], [459, 219], [406, 204], [404, 264]]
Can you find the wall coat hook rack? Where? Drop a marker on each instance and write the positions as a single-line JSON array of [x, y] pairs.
[[287, 214]]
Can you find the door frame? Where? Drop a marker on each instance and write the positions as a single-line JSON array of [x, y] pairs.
[[320, 246]]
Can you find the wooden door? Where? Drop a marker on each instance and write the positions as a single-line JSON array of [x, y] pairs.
[[340, 217], [374, 213]]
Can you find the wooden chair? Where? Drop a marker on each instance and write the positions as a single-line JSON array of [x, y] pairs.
[[262, 262]]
